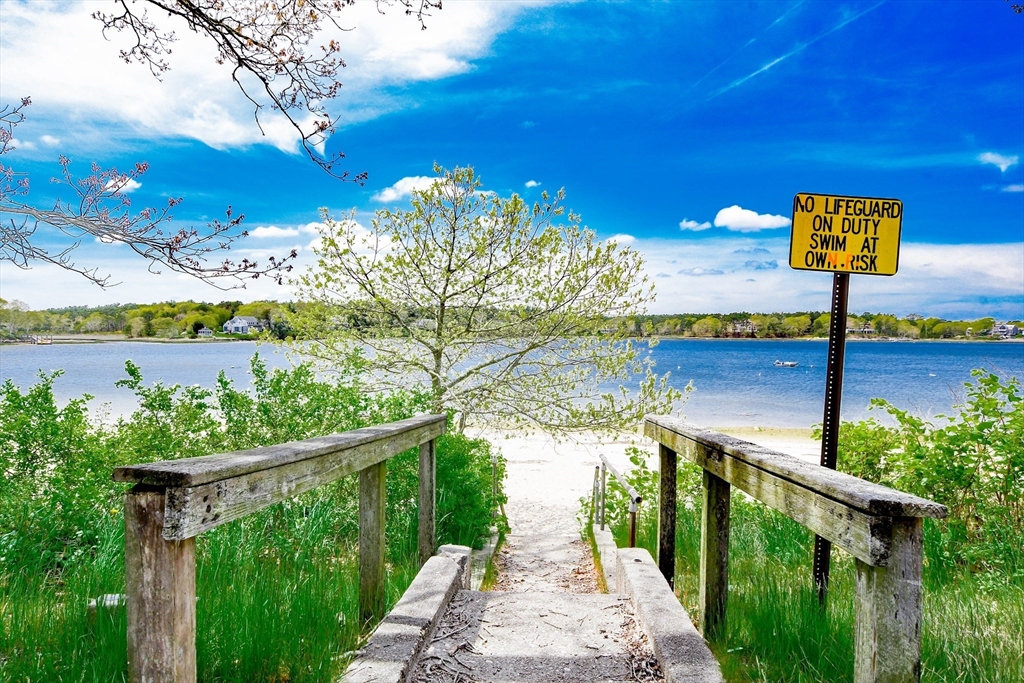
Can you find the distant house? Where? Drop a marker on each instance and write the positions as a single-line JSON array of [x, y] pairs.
[[243, 324], [205, 332], [742, 328], [1005, 330]]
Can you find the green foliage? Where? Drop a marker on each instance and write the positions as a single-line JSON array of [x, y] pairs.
[[972, 462], [495, 304], [290, 569]]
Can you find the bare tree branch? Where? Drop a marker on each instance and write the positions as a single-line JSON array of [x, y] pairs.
[[271, 41], [99, 207]]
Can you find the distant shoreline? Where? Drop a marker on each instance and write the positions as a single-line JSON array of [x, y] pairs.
[[108, 339]]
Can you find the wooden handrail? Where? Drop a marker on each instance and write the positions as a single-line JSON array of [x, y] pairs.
[[173, 501], [879, 526], [221, 466]]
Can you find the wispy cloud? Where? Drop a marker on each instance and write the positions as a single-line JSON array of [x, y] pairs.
[[797, 50], [1003, 162], [403, 188], [1013, 188], [533, 183], [946, 280], [697, 272], [687, 224], [738, 219], [741, 49], [49, 140], [621, 239]]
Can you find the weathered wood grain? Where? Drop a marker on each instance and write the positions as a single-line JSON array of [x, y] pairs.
[[372, 549], [427, 501], [866, 537], [160, 578], [857, 493], [211, 468], [888, 606], [191, 510], [667, 514], [714, 556]]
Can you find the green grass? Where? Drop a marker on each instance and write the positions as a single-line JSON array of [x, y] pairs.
[[277, 601], [973, 621]]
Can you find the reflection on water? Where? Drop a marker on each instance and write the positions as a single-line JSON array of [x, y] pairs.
[[736, 382]]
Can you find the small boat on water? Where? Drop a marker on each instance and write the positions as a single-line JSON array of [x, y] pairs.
[[786, 363]]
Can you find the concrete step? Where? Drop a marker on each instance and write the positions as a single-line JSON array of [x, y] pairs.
[[499, 637]]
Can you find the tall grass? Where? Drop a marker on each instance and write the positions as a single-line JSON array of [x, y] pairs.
[[973, 621], [277, 591], [973, 578]]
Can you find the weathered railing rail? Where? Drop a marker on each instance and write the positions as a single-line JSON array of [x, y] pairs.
[[174, 501], [879, 526], [601, 499]]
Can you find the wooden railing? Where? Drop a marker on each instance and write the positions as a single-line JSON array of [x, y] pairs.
[[173, 501], [879, 526]]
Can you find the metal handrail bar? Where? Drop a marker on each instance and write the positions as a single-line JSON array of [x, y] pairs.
[[634, 498]]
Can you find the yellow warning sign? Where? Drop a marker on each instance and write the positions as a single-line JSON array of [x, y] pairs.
[[846, 234]]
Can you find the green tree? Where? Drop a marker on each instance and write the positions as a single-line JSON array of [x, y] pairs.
[[707, 327], [796, 325], [491, 303]]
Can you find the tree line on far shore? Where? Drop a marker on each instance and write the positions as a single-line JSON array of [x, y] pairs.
[[170, 319], [814, 324], [186, 318]]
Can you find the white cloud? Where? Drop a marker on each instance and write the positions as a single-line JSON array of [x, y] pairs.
[[687, 224], [197, 98], [265, 231], [744, 220], [49, 140], [15, 143], [621, 239], [403, 188], [999, 160], [532, 183], [124, 185], [1013, 188]]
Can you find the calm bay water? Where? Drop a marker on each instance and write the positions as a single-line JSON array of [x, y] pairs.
[[735, 382]]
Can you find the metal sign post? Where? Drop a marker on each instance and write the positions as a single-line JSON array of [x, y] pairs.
[[842, 235], [830, 422]]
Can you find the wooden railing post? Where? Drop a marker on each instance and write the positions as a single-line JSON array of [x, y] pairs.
[[888, 605], [714, 556], [428, 501], [667, 515], [372, 549], [160, 584]]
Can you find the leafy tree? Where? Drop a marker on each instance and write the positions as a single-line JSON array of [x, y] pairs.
[[707, 327], [490, 302], [796, 325]]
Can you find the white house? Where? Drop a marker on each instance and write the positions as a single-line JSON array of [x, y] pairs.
[[243, 324], [1005, 330], [205, 332]]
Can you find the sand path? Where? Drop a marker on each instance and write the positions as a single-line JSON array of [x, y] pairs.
[[546, 620]]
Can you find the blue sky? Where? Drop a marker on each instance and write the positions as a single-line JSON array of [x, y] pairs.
[[655, 117]]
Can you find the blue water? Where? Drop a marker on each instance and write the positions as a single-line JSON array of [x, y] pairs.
[[735, 382]]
